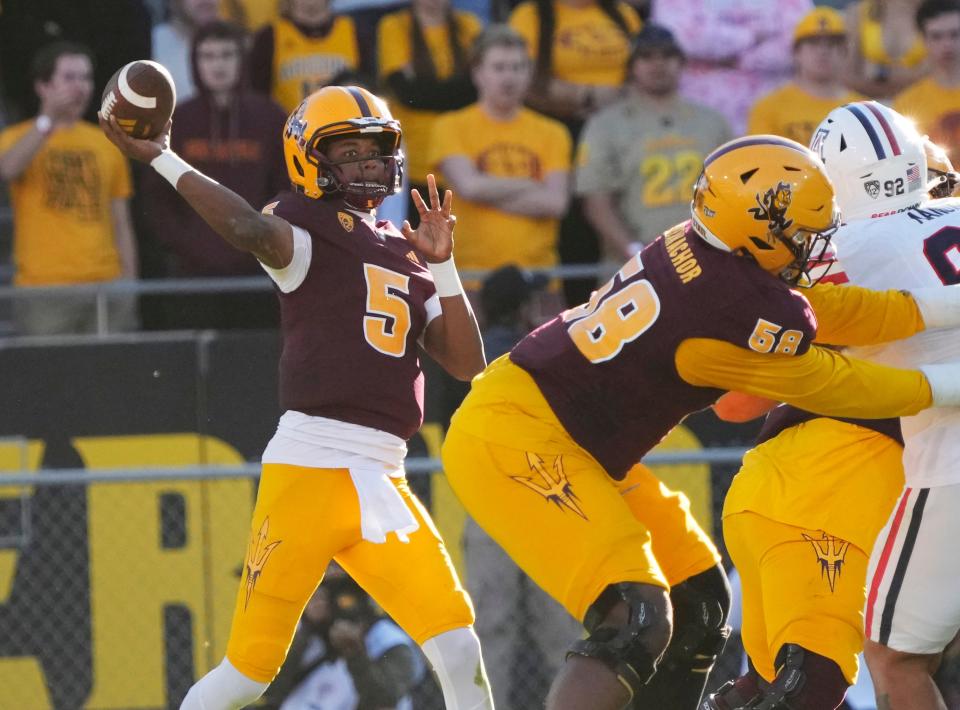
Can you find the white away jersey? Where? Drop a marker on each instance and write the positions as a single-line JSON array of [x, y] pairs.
[[916, 248]]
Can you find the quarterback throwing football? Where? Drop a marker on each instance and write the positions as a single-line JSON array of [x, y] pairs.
[[358, 298]]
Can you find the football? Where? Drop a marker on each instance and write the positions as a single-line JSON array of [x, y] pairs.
[[141, 95]]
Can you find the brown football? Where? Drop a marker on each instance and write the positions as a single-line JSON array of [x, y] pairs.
[[142, 96]]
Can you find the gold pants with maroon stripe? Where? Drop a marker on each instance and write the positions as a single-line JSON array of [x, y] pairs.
[[304, 517], [553, 508]]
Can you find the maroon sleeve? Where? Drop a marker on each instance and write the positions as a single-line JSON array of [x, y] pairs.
[[261, 60]]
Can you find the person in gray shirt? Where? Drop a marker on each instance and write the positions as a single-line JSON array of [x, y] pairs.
[[638, 158]]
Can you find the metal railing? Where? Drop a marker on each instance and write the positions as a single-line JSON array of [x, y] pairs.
[[103, 291], [414, 466]]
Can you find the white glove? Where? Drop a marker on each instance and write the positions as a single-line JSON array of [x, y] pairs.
[[939, 305], [944, 382]]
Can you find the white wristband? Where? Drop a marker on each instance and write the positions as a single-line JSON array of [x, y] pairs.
[[170, 166], [944, 379], [939, 305], [446, 278]]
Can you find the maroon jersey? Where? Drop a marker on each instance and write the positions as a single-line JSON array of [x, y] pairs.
[[607, 368], [786, 416], [350, 329]]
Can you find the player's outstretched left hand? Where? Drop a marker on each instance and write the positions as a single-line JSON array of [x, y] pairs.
[[434, 237], [136, 148]]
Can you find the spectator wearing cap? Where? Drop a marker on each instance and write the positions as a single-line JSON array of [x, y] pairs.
[[638, 158], [737, 50], [934, 102], [820, 55], [508, 165], [517, 622]]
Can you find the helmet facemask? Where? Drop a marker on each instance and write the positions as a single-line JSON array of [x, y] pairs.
[[363, 191], [811, 250]]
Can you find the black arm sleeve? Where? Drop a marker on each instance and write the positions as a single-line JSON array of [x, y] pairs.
[[384, 681], [260, 61], [433, 95]]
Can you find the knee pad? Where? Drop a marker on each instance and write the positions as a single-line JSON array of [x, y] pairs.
[[736, 694], [701, 605], [629, 650], [804, 681]]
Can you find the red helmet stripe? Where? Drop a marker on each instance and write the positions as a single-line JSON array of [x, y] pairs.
[[885, 125]]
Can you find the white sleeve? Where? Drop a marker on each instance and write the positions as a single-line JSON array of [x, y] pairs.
[[433, 308], [289, 278]]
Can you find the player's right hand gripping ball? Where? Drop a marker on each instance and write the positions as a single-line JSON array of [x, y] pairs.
[[141, 95]]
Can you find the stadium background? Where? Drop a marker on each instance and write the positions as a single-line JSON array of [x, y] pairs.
[[116, 595]]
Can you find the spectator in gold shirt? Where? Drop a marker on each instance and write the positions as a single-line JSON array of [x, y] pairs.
[[423, 55], [508, 165], [820, 53], [69, 190], [302, 51], [934, 102]]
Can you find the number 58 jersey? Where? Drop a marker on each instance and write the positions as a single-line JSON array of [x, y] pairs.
[[915, 248], [609, 368]]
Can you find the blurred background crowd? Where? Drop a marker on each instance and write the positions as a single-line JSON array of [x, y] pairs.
[[571, 132]]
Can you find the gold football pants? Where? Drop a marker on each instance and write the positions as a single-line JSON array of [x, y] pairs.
[[304, 517], [553, 508]]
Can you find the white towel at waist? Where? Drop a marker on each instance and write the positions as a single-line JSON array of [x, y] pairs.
[[382, 508], [373, 457]]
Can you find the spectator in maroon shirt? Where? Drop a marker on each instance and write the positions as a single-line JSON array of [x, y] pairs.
[[234, 136]]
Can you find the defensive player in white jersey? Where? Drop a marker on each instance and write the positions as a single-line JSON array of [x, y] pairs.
[[894, 236]]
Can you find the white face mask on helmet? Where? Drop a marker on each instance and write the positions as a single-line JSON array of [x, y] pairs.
[[874, 157]]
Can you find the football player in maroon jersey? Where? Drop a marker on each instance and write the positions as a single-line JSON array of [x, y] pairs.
[[543, 450], [357, 299]]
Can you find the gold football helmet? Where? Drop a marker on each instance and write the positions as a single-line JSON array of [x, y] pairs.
[[334, 112], [942, 179], [768, 198]]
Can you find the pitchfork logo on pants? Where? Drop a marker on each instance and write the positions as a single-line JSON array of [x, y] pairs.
[[831, 553]]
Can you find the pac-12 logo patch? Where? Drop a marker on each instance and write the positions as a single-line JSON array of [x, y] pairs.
[[346, 221], [872, 188]]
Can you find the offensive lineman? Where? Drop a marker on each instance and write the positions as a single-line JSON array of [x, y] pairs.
[[356, 299], [803, 513], [541, 448]]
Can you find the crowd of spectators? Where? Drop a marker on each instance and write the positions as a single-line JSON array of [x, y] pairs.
[[570, 130]]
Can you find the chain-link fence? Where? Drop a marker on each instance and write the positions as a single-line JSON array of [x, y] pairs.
[[117, 589]]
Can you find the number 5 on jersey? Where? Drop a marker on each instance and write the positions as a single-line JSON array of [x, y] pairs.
[[387, 322]]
